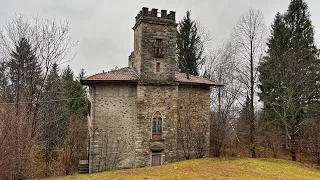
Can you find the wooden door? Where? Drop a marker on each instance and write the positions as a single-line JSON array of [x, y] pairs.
[[156, 160]]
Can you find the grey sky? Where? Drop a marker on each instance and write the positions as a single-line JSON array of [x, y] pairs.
[[104, 28]]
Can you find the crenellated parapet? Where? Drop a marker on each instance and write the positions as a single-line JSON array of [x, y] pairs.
[[153, 16]]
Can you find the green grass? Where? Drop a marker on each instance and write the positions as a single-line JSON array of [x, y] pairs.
[[212, 169]]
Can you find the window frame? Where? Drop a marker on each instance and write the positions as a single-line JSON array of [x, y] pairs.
[[157, 129], [158, 47], [156, 154]]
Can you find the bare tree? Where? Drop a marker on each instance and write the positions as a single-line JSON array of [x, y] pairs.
[[75, 144], [113, 150], [192, 129], [7, 124], [185, 133], [311, 138], [51, 43], [225, 100], [249, 38], [17, 145]]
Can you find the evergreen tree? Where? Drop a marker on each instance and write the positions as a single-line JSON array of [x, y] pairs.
[[243, 124], [302, 49], [273, 63], [74, 92], [289, 72], [189, 46], [67, 74], [54, 114], [81, 74], [301, 39], [24, 72], [54, 109]]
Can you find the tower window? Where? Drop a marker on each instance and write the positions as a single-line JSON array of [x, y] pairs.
[[157, 67], [157, 126], [158, 48], [158, 42]]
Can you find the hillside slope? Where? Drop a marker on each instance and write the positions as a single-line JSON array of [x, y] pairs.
[[213, 169]]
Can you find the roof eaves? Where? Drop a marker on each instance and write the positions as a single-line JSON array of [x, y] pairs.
[[88, 82]]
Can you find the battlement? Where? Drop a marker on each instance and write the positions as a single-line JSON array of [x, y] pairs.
[[153, 15]]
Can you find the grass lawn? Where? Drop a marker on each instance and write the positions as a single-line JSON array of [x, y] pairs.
[[212, 169]]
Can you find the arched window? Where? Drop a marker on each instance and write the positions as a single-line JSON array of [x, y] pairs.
[[157, 125]]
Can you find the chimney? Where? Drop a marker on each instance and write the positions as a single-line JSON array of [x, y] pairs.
[[188, 73]]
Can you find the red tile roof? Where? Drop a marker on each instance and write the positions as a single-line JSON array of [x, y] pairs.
[[123, 74], [182, 77], [128, 74]]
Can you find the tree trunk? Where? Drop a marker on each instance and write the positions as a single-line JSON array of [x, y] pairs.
[[293, 149], [252, 125], [47, 161]]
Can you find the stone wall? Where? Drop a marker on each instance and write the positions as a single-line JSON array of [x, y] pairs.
[[135, 61], [150, 28], [151, 32], [152, 98], [193, 120], [122, 113], [113, 117]]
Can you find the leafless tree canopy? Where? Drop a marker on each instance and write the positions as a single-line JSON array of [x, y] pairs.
[[50, 43], [234, 65], [249, 37], [226, 101]]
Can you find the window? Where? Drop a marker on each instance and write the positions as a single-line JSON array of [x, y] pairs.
[[156, 159], [158, 42], [157, 67], [158, 48], [157, 126]]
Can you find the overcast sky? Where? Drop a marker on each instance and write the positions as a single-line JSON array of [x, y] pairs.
[[104, 28]]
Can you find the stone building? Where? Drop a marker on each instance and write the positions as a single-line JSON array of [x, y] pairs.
[[147, 113]]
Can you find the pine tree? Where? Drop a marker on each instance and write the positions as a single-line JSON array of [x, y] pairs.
[[54, 114], [288, 73], [74, 92], [243, 124], [67, 74], [189, 46], [81, 74], [302, 47], [54, 109], [273, 63], [297, 19], [24, 72]]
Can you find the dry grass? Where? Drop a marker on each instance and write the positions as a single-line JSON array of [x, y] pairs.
[[213, 169]]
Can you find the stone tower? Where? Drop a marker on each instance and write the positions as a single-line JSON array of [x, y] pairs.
[[134, 111], [154, 46], [153, 59]]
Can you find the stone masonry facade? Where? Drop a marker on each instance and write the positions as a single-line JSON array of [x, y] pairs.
[[138, 114]]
